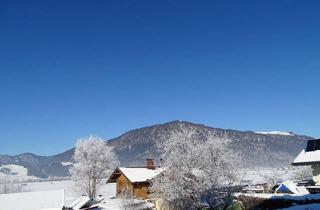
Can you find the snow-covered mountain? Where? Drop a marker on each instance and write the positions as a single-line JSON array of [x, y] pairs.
[[40, 166], [133, 147], [283, 133]]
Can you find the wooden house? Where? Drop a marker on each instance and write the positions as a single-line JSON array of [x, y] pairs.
[[135, 180]]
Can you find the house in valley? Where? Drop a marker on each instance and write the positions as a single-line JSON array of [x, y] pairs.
[[310, 157], [135, 180]]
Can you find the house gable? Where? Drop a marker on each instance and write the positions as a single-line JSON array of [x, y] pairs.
[[133, 180], [309, 156]]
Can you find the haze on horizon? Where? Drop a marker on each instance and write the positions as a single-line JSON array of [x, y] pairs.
[[74, 68]]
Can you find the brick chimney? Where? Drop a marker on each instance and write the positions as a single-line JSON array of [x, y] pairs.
[[150, 164]]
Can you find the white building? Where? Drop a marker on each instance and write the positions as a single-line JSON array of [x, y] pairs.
[[310, 157]]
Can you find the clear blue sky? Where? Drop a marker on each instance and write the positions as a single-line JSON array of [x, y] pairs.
[[73, 68]]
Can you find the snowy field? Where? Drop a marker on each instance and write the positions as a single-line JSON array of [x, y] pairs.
[[69, 194], [32, 200], [262, 175], [107, 193]]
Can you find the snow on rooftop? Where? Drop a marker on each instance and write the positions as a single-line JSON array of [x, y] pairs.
[[140, 174], [291, 186], [80, 202], [32, 200], [281, 133], [307, 157]]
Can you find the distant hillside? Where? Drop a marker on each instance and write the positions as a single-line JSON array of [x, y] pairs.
[[41, 166], [133, 147], [257, 149]]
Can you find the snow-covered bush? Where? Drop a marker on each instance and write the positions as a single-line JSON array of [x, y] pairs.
[[194, 167], [94, 162]]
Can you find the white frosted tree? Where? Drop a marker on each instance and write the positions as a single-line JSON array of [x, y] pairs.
[[195, 164], [4, 185], [8, 185], [303, 173], [94, 162]]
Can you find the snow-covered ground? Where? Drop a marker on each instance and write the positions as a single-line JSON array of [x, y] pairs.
[[32, 200], [67, 186], [107, 192], [262, 175]]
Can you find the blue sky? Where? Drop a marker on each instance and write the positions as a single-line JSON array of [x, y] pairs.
[[74, 68]]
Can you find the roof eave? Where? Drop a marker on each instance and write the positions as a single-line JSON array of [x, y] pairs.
[[110, 180], [141, 183]]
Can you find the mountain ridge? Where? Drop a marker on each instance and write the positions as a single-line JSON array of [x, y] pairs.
[[134, 146]]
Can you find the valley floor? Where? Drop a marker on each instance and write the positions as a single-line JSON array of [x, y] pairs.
[[107, 193]]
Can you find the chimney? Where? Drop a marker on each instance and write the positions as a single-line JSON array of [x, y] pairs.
[[150, 164]]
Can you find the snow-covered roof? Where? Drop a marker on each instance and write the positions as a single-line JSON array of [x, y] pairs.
[[80, 202], [292, 187], [140, 174], [135, 174], [306, 158], [32, 200]]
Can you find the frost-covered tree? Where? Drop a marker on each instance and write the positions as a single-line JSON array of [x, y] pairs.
[[194, 167], [94, 162], [8, 185], [303, 173], [4, 185]]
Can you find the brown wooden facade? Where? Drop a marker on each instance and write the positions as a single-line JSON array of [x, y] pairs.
[[123, 184]]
